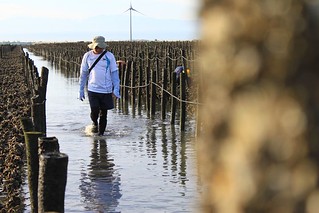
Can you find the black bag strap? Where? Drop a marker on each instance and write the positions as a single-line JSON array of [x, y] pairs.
[[97, 60]]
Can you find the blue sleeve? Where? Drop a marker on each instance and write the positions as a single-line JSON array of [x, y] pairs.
[[116, 83], [114, 75], [84, 72]]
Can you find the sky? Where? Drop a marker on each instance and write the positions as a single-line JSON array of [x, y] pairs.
[[81, 20]]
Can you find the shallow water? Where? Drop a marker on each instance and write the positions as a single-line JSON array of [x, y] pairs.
[[140, 165]]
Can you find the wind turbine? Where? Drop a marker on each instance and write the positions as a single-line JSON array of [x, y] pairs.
[[131, 9]]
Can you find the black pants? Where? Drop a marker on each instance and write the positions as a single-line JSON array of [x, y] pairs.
[[100, 103]]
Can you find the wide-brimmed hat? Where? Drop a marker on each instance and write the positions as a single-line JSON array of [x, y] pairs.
[[98, 41]]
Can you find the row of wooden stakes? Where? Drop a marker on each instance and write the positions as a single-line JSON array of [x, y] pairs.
[[46, 166]]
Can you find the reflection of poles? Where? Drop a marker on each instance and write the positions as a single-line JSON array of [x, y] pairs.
[[151, 141], [183, 160], [164, 147], [174, 150], [177, 148], [182, 156]]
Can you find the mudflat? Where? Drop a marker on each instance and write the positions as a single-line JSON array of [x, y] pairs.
[[15, 102]]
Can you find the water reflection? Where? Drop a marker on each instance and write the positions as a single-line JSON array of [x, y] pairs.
[[182, 172], [172, 148], [100, 185]]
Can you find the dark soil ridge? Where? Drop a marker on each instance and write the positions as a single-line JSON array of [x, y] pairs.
[[15, 103]]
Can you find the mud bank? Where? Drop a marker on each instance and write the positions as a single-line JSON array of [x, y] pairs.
[[15, 104]]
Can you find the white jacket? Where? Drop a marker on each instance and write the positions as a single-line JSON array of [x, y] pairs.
[[104, 77]]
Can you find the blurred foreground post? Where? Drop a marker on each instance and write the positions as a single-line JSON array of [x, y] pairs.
[[258, 148]]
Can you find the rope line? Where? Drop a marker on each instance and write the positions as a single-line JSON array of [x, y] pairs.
[[177, 98], [69, 61], [161, 59], [135, 87], [168, 92], [143, 86]]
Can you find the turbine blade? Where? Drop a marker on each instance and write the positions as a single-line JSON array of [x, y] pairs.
[[137, 11]]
